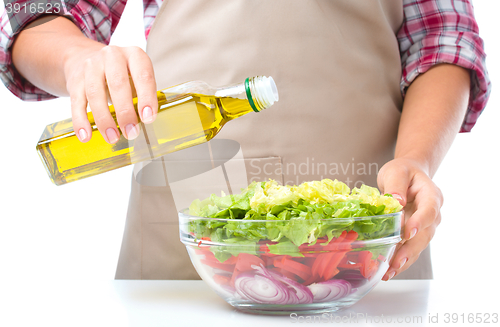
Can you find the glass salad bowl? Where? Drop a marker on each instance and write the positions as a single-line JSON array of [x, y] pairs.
[[320, 265]]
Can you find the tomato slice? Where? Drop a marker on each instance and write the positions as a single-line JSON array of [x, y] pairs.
[[301, 270], [231, 261], [334, 243], [331, 267], [349, 238], [318, 264], [245, 262], [372, 270], [267, 259], [364, 258], [293, 267], [306, 260]]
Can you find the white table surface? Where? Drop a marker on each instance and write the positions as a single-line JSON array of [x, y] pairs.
[[193, 303]]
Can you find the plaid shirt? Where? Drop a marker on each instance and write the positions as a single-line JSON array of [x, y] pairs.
[[433, 32]]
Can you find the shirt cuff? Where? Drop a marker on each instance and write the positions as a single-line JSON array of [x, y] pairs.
[[463, 49]]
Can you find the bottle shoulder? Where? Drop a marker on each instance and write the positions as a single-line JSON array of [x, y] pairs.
[[199, 87]]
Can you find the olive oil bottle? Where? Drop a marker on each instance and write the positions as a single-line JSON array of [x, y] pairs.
[[188, 114]]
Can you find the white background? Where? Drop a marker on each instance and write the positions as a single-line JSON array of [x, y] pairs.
[[73, 232]]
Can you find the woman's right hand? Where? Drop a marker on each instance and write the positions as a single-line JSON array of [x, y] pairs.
[[69, 63], [93, 73]]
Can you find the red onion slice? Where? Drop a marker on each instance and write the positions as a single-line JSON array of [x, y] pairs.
[[262, 289], [330, 290], [304, 294]]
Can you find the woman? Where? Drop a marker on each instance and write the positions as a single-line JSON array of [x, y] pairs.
[[342, 69]]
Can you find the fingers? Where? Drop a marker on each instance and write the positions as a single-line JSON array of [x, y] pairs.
[[409, 252], [81, 124], [407, 180], [95, 90], [106, 70], [141, 70], [120, 91], [396, 181], [428, 202]]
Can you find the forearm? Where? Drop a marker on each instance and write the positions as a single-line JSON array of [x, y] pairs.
[[41, 52], [433, 111]]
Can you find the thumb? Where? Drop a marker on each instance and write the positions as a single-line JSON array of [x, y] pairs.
[[395, 180]]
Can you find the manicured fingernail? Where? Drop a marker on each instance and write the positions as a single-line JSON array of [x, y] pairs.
[[112, 136], [391, 275], [147, 115], [132, 131], [398, 197], [413, 233], [82, 133], [403, 263]]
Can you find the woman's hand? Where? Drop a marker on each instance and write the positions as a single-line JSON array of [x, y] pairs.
[[433, 111], [408, 182], [68, 63], [94, 73]]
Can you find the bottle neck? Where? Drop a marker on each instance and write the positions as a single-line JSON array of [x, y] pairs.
[[260, 92]]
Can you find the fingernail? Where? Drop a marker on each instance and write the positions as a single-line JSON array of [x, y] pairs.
[[112, 136], [391, 275], [413, 233], [147, 115], [132, 131], [403, 263], [398, 197], [82, 133]]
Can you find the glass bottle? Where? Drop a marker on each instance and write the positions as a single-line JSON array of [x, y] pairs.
[[188, 114]]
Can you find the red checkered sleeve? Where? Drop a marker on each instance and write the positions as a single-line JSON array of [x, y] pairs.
[[434, 31], [97, 19], [444, 31], [151, 8]]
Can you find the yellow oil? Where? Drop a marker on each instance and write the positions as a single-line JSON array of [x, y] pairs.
[[182, 121]]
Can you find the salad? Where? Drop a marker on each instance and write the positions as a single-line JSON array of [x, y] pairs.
[[300, 244]]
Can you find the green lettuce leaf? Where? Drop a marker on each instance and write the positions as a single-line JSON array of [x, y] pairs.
[[285, 248], [292, 216]]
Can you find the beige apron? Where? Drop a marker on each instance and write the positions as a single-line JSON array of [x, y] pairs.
[[337, 68]]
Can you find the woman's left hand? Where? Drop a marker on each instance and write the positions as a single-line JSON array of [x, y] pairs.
[[408, 182]]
